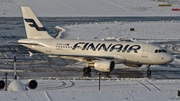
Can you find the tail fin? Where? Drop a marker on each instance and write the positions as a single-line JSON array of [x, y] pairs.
[[34, 29]]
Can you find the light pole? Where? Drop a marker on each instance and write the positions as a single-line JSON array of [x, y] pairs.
[[6, 81], [99, 80]]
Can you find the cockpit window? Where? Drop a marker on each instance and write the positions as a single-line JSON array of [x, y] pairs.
[[164, 51], [160, 51], [156, 51]]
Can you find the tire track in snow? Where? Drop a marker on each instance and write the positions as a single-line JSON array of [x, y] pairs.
[[117, 5], [154, 85], [72, 84], [51, 88], [62, 86], [144, 85], [151, 85]]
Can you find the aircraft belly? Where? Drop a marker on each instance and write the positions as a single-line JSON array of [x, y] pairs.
[[138, 60], [40, 49]]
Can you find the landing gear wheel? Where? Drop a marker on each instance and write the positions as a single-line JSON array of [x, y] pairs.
[[86, 69], [148, 72]]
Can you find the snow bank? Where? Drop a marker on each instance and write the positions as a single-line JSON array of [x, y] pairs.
[[59, 8]]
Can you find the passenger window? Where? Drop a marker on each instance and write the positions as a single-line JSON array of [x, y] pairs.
[[160, 51], [164, 51]]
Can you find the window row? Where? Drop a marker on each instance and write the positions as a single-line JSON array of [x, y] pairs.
[[160, 51], [63, 46]]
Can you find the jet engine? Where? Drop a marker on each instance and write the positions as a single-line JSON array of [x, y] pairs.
[[32, 84], [104, 65], [133, 65], [2, 84]]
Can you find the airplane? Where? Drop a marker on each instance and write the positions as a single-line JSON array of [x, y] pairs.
[[15, 84], [100, 55]]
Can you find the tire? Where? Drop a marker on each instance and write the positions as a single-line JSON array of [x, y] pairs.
[[87, 69], [148, 72]]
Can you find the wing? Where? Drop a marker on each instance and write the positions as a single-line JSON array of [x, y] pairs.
[[18, 59], [86, 58]]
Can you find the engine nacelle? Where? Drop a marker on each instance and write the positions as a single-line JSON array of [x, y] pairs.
[[133, 65], [32, 84], [2, 84], [104, 65]]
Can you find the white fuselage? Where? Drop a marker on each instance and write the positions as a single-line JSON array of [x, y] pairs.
[[102, 55], [121, 52]]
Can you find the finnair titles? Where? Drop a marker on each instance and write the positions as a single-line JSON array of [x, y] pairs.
[[102, 46]]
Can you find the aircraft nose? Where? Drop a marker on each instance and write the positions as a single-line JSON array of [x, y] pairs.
[[163, 59], [169, 58]]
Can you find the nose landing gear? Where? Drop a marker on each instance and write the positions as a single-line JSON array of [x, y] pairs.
[[148, 70]]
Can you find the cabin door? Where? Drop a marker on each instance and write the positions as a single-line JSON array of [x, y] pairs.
[[145, 51]]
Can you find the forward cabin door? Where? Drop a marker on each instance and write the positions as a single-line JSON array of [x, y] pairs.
[[48, 48], [145, 51]]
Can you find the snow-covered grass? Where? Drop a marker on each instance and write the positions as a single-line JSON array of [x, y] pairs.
[[87, 90], [162, 30], [59, 8]]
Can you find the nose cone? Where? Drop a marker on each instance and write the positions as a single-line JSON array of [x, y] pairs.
[[162, 58], [167, 58], [170, 58]]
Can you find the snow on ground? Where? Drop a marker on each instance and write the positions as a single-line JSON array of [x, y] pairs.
[[107, 84], [81, 90], [142, 30], [88, 90], [148, 31], [128, 89], [58, 8]]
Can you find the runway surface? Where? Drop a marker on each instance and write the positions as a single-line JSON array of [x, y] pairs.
[[55, 67]]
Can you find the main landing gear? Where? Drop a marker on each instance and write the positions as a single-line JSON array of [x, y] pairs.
[[87, 69], [148, 70]]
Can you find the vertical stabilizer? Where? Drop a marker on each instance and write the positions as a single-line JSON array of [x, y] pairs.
[[34, 28]]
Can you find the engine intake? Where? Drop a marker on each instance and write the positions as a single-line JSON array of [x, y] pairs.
[[104, 65], [32, 84], [2, 84]]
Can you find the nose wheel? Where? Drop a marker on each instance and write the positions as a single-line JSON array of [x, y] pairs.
[[87, 69], [148, 70]]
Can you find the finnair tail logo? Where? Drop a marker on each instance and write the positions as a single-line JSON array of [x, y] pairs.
[[35, 25]]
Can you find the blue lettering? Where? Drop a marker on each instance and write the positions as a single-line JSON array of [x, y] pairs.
[[104, 47], [118, 47], [135, 48], [76, 45]]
